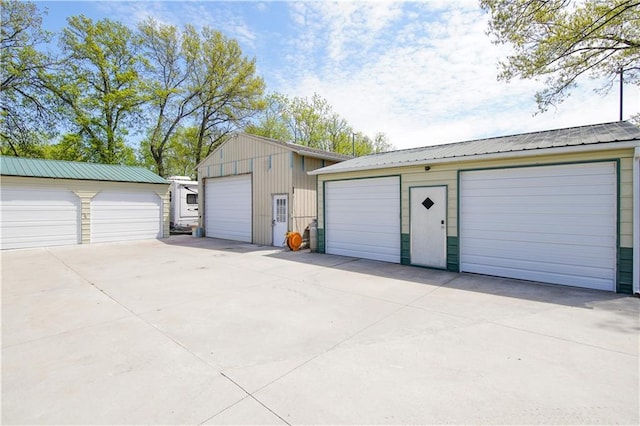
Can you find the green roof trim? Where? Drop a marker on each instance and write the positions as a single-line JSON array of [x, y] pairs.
[[32, 167]]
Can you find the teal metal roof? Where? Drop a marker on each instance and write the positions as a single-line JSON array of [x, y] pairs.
[[32, 167]]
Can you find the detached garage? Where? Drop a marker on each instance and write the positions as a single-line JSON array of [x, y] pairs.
[[257, 189], [557, 206], [49, 203]]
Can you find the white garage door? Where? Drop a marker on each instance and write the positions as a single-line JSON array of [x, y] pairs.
[[38, 218], [118, 216], [227, 208], [554, 224], [362, 218]]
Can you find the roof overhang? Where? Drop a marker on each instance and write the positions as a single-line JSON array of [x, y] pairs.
[[488, 156], [319, 155]]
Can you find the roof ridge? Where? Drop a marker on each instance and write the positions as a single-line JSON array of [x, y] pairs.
[[71, 162], [293, 145], [441, 145]]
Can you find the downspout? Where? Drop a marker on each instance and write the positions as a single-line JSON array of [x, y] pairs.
[[636, 221]]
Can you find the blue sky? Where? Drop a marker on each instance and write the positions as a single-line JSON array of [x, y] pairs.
[[422, 72]]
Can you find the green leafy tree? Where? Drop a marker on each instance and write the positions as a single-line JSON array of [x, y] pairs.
[[560, 40], [173, 95], [271, 122], [100, 87], [26, 111], [229, 91], [178, 153], [312, 122]]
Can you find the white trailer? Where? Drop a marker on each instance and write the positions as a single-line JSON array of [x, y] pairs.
[[184, 202]]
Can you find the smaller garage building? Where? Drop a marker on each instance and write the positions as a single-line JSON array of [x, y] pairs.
[[559, 206], [51, 203], [256, 189]]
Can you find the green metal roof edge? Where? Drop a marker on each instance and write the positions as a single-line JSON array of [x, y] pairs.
[[58, 169]]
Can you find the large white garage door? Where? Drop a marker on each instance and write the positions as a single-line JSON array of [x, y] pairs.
[[554, 224], [119, 216], [38, 217], [362, 218], [227, 210]]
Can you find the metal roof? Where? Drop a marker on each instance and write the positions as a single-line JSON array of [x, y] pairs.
[[31, 167], [592, 135], [304, 150]]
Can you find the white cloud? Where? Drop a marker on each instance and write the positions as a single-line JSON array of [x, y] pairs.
[[213, 14], [423, 73]]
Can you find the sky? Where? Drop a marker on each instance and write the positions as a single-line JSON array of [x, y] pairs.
[[421, 72]]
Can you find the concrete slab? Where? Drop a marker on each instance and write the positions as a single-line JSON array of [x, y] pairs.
[[402, 372], [29, 268], [47, 313], [122, 371], [199, 330], [276, 326], [246, 412]]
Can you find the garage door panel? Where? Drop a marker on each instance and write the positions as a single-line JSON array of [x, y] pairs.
[[571, 255], [559, 207], [540, 237], [594, 271], [372, 253], [575, 228], [33, 217], [579, 280], [550, 191], [357, 230], [362, 218], [126, 216], [545, 223], [570, 174], [228, 208], [357, 238]]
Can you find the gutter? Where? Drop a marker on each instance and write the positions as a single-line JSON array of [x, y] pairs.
[[489, 156], [320, 156]]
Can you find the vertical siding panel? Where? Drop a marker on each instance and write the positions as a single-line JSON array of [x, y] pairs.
[[247, 154]]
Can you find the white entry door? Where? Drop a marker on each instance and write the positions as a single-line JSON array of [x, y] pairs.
[[429, 226], [279, 223]]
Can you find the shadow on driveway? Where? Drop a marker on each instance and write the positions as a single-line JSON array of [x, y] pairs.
[[489, 285]]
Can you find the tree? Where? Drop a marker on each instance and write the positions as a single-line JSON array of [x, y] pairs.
[[271, 123], [99, 86], [172, 93], [26, 112], [229, 92], [561, 40], [312, 122]]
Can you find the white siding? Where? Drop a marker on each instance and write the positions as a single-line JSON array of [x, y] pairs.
[[554, 224], [363, 218]]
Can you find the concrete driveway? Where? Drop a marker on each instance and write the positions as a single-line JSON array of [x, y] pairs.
[[204, 331]]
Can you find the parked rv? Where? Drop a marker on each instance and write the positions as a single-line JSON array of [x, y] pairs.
[[184, 202]]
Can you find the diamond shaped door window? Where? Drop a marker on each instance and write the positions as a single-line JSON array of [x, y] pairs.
[[428, 203]]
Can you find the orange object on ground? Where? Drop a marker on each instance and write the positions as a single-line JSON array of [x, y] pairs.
[[294, 241]]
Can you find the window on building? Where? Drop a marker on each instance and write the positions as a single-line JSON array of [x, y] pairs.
[[192, 198]]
